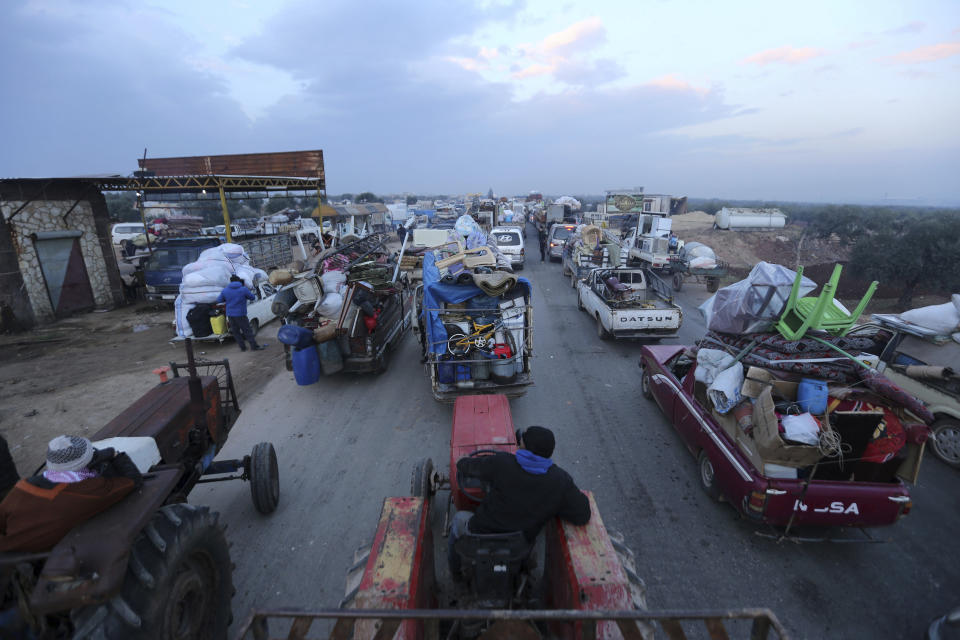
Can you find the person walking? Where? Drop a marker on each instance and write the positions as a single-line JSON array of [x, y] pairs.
[[234, 296], [543, 242]]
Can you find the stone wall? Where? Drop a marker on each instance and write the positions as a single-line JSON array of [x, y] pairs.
[[56, 215]]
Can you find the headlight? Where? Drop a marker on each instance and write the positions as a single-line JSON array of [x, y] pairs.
[[151, 289]]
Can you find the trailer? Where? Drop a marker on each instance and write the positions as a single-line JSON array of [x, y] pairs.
[[709, 276]]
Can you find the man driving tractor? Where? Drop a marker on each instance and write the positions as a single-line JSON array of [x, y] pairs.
[[526, 490]]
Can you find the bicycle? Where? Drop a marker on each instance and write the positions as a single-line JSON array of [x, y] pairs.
[[482, 338]]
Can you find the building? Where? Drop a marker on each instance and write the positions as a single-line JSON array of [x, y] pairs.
[[56, 257]]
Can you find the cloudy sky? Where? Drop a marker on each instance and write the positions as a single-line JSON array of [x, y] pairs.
[[815, 100]]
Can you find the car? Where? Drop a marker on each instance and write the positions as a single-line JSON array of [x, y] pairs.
[[731, 467], [125, 231], [509, 240], [558, 234]]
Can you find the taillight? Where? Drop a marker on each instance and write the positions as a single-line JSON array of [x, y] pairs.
[[757, 501], [521, 251]]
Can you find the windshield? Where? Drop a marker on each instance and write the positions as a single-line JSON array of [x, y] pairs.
[[172, 257], [507, 239], [561, 233], [130, 228]]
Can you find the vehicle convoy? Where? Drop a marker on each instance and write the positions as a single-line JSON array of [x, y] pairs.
[[354, 307], [474, 324], [152, 565], [583, 584], [629, 303], [163, 270], [850, 474]]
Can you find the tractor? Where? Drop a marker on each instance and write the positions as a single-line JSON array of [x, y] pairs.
[[399, 586], [152, 565]]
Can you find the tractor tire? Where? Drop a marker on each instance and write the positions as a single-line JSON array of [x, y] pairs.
[[601, 332], [638, 589], [708, 478], [713, 284], [946, 441], [421, 482], [178, 584], [354, 577], [677, 282], [264, 478]]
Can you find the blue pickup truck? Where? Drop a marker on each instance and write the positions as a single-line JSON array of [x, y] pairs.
[[163, 270]]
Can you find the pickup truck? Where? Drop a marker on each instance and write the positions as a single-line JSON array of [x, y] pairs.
[[629, 303], [730, 467], [163, 270]]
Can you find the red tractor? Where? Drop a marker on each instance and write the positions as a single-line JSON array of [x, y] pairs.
[[152, 565], [399, 586]]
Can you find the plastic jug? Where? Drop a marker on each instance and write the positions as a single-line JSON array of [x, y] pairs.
[[218, 324], [306, 365], [812, 395]]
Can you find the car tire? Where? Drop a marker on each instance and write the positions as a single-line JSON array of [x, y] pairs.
[[713, 284], [708, 478], [601, 332], [264, 478], [579, 302], [254, 327], [645, 387], [946, 441]]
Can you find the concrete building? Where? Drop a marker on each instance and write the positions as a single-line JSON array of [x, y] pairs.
[[56, 257]]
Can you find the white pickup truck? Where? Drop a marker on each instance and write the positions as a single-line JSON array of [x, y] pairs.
[[629, 303]]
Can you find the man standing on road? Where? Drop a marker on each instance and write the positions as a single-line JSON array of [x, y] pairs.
[[526, 490], [543, 241], [235, 296]]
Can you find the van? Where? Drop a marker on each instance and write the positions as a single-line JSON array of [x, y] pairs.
[[509, 240], [125, 231], [558, 236]]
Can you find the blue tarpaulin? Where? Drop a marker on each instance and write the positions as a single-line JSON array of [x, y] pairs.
[[436, 292]]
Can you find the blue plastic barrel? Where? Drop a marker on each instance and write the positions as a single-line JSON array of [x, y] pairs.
[[812, 395], [306, 365], [295, 336]]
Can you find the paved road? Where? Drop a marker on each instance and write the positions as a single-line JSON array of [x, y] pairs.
[[349, 441]]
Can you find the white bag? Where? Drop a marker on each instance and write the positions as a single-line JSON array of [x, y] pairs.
[[802, 428], [211, 276], [724, 392], [710, 362], [330, 305], [942, 318], [198, 295], [180, 310], [331, 280]]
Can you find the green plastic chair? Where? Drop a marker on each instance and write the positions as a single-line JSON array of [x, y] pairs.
[[803, 314]]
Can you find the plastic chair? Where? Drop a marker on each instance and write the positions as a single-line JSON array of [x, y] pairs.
[[803, 314]]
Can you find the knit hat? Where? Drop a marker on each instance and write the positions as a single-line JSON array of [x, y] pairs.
[[69, 453], [539, 441]]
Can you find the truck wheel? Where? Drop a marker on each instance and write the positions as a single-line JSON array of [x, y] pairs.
[[601, 332], [645, 384], [946, 441], [384, 362], [421, 482], [708, 479], [579, 302], [264, 478], [254, 327], [713, 284], [178, 583], [677, 282]]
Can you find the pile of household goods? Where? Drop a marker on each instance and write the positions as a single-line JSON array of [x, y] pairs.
[[697, 255], [808, 405], [203, 280], [589, 248], [342, 297], [475, 313]]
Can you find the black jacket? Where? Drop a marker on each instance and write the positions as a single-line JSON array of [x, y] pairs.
[[522, 501]]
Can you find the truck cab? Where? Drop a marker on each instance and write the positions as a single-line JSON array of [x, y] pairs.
[[163, 270]]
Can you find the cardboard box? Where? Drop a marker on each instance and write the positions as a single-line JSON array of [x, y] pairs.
[[759, 385]]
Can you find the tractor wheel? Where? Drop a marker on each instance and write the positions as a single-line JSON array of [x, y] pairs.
[[708, 478], [946, 441], [601, 332], [264, 478], [645, 384], [178, 583], [421, 483], [677, 281], [713, 284], [638, 589]]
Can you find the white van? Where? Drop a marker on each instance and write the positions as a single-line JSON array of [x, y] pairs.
[[125, 231], [509, 241]]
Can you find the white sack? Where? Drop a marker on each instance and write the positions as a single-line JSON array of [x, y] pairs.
[[331, 280], [330, 305], [211, 276], [724, 391], [250, 275], [703, 262], [942, 318], [710, 362], [802, 428], [196, 295], [180, 310]]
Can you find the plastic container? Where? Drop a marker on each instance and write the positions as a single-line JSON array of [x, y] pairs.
[[445, 372], [463, 372], [480, 370], [331, 360], [295, 336], [306, 365], [812, 395], [218, 324]]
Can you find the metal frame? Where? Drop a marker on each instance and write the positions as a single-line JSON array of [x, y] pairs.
[[764, 620]]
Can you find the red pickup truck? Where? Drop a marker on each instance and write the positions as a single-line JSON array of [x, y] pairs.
[[727, 469]]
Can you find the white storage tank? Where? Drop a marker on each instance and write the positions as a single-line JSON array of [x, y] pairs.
[[740, 219]]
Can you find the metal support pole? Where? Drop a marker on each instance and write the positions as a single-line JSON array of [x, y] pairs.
[[226, 213], [320, 211]]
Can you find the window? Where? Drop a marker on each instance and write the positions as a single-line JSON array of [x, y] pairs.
[[507, 239]]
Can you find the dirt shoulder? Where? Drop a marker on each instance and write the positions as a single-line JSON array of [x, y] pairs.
[[77, 374]]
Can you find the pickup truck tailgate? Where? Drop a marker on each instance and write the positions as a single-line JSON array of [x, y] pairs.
[[657, 318], [837, 503]]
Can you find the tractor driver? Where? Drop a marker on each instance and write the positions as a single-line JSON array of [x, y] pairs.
[[78, 483], [526, 490]]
